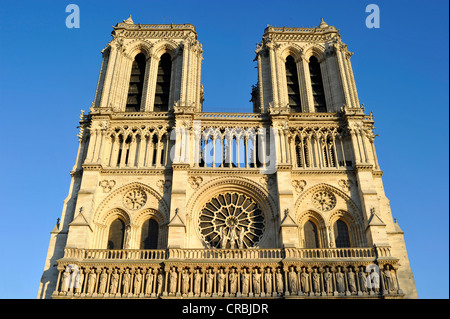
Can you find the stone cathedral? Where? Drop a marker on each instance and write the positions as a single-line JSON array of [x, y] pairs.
[[169, 201]]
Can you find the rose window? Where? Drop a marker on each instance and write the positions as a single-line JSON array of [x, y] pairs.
[[324, 200], [231, 220], [135, 199]]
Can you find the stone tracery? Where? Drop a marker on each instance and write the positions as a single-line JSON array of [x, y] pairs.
[[231, 220]]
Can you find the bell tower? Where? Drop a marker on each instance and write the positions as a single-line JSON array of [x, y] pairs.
[[305, 70], [149, 68]]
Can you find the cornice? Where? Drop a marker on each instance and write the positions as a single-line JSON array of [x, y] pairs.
[[301, 171]]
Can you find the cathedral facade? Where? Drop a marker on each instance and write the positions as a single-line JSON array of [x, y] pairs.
[[168, 201]]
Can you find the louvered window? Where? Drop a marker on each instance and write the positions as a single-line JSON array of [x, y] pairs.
[[163, 84], [136, 84]]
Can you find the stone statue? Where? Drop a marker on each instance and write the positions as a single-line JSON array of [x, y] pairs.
[[279, 280], [149, 281], [375, 280], [388, 279], [232, 237], [114, 282], [127, 237], [160, 282], [74, 270], [209, 281], [328, 282], [233, 281], [304, 277], [173, 281], [268, 281], [293, 281], [185, 279], [65, 280], [241, 238], [340, 282], [78, 284], [126, 280], [245, 278], [223, 238], [257, 282], [316, 281], [91, 283], [103, 280], [220, 282], [137, 282], [351, 281], [362, 281], [197, 282]]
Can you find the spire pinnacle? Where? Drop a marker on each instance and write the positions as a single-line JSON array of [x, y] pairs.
[[129, 20], [322, 24]]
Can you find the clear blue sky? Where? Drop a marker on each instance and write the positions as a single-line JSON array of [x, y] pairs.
[[48, 73]]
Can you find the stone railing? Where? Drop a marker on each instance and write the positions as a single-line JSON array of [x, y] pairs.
[[226, 254], [331, 253], [108, 254], [281, 273]]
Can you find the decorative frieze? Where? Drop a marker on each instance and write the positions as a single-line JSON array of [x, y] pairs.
[[270, 273]]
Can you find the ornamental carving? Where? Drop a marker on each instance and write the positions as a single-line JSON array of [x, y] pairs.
[[195, 181], [345, 184], [107, 185], [135, 199], [231, 220], [299, 185], [324, 200]]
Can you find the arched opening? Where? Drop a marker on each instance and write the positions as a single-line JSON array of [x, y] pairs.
[[293, 87], [317, 85], [311, 235], [341, 234], [136, 84], [162, 91], [149, 234], [116, 234]]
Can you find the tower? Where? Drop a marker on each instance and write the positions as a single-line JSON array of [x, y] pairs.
[[169, 201]]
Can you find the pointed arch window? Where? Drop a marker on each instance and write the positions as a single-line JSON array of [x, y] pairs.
[[317, 85], [162, 92], [116, 234], [341, 234], [293, 86], [136, 84], [311, 235], [149, 234]]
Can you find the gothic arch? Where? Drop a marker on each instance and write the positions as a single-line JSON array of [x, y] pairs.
[[293, 50], [318, 220], [162, 220], [240, 185], [138, 46], [164, 46], [148, 213], [344, 202], [132, 216], [355, 228], [114, 213], [117, 196], [313, 49]]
